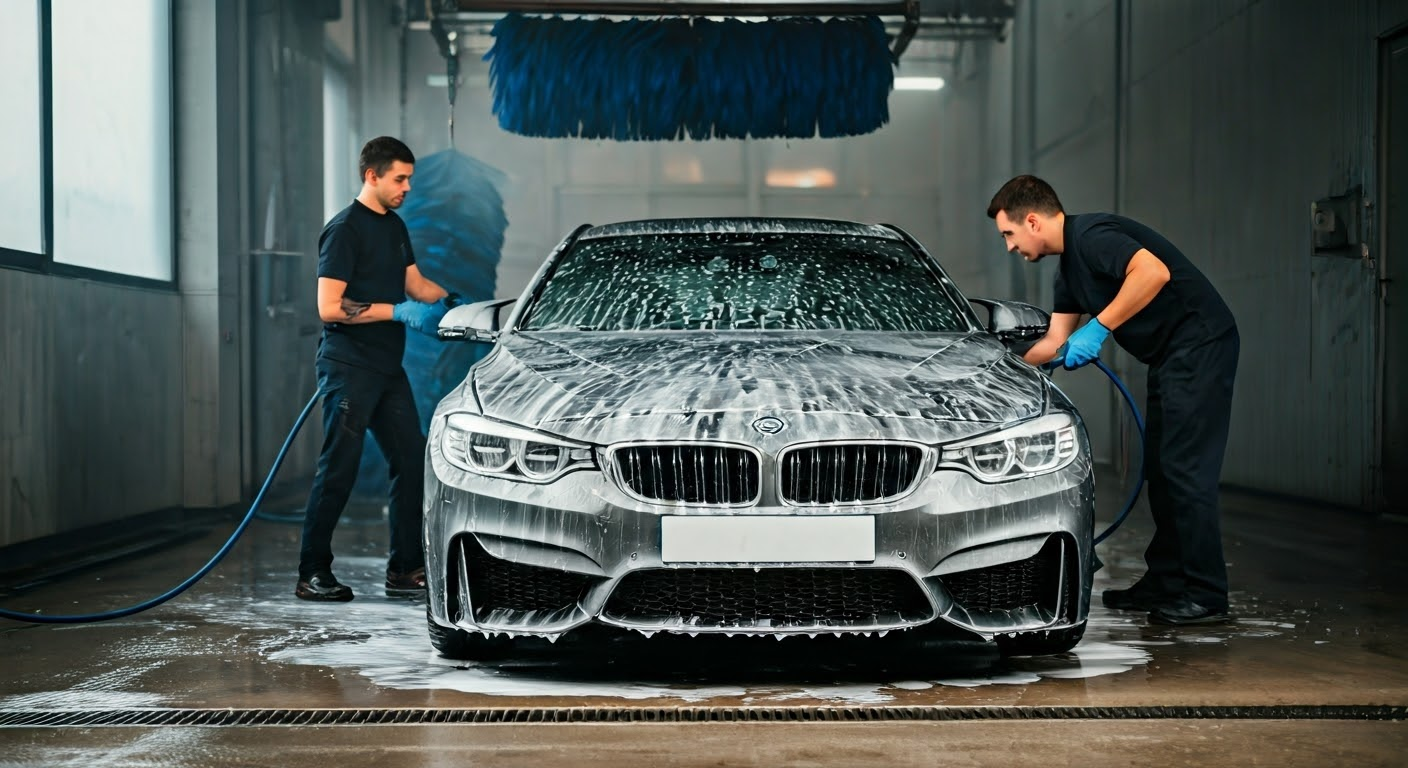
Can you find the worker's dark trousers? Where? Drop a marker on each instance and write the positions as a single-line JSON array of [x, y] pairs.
[[355, 400], [1189, 407]]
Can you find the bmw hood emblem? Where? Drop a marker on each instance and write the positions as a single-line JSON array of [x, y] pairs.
[[769, 425]]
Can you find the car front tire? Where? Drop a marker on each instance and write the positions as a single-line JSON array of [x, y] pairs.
[[1041, 643], [456, 643]]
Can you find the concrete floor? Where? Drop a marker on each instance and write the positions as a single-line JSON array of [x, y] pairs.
[[1313, 672]]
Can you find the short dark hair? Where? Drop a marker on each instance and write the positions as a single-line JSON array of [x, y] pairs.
[[379, 153], [1023, 195]]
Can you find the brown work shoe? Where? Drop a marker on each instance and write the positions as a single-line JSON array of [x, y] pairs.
[[323, 586], [408, 584]]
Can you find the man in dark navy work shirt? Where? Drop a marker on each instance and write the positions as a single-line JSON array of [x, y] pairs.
[[366, 271], [1137, 286]]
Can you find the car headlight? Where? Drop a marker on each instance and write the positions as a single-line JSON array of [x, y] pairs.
[[485, 447], [1031, 448]]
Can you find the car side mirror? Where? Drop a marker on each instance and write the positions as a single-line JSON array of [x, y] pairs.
[[1016, 324], [473, 322]]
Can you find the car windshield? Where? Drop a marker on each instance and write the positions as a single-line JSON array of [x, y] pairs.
[[743, 281]]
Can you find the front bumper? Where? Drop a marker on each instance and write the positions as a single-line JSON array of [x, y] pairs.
[[510, 557]]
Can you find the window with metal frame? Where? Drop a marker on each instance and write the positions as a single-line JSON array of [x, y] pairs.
[[111, 132]]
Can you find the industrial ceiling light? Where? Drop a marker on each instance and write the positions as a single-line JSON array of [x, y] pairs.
[[918, 83], [810, 178]]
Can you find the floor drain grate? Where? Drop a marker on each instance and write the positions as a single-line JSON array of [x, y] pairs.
[[328, 717]]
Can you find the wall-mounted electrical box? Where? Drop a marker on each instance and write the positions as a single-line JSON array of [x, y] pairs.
[[1334, 224]]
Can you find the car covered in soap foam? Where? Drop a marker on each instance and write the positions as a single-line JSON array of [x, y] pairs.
[[754, 426]]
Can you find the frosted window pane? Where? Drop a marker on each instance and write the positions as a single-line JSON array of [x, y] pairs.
[[22, 196], [111, 69]]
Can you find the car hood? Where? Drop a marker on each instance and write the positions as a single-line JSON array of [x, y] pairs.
[[605, 388]]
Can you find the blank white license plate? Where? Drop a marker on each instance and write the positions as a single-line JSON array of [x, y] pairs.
[[767, 539]]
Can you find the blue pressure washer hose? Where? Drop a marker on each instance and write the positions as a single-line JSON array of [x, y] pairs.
[[86, 618], [1138, 420]]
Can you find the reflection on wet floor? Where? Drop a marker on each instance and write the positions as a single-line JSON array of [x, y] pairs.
[[240, 639], [1321, 623], [384, 641]]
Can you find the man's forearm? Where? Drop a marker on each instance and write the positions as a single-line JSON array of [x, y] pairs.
[[1042, 352], [1138, 290], [1057, 331], [1145, 278], [360, 313], [428, 291], [353, 308]]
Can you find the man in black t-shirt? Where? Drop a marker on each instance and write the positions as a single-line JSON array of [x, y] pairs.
[[1139, 287], [366, 271]]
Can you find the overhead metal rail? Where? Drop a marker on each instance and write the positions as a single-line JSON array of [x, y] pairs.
[[906, 20]]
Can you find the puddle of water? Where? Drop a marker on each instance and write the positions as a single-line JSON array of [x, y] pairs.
[[79, 699], [149, 748], [385, 641], [101, 691], [1084, 671], [1006, 678], [391, 650], [849, 694]]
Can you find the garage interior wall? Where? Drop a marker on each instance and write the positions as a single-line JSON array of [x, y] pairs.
[[121, 400], [1202, 119], [118, 397]]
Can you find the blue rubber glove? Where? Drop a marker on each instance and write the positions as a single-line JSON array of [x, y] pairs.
[[421, 317], [1084, 345]]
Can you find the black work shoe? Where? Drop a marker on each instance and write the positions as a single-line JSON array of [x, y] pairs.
[[323, 586], [1186, 612], [1139, 597], [408, 584]]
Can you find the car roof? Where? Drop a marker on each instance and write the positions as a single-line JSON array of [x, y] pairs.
[[740, 224]]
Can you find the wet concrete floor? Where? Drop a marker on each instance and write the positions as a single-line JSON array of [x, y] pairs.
[[1314, 671]]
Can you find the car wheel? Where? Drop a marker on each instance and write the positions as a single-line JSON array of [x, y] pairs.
[[1041, 643], [455, 643]]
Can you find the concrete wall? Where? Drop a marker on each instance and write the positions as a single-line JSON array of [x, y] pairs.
[[1219, 124], [91, 427]]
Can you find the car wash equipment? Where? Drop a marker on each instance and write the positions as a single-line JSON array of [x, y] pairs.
[[447, 41], [88, 618], [771, 69]]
